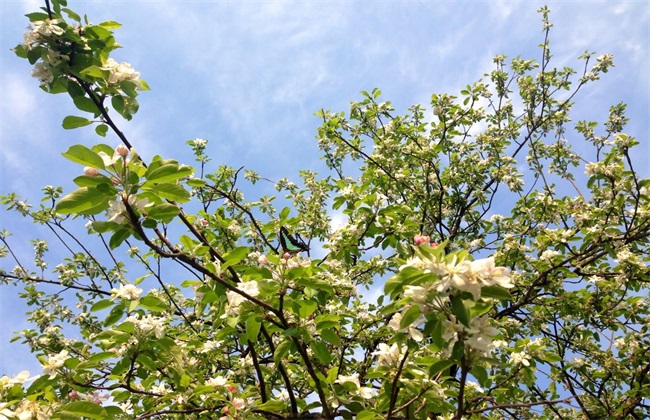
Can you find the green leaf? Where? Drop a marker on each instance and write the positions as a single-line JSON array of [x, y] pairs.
[[95, 182], [368, 415], [110, 24], [253, 326], [129, 87], [458, 309], [329, 335], [95, 360], [410, 316], [85, 104], [72, 15], [439, 366], [169, 172], [195, 182], [437, 334], [551, 357], [84, 409], [115, 315], [272, 406], [495, 292], [147, 361], [153, 304], [81, 199], [39, 384], [458, 351], [327, 321], [70, 122], [98, 357], [118, 237], [36, 16], [98, 32], [322, 352], [102, 304], [306, 308], [79, 153], [169, 191], [481, 374], [94, 72], [164, 212], [235, 256], [101, 129], [281, 351], [118, 104]]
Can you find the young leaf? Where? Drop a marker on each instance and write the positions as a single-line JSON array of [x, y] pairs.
[[72, 121], [410, 316], [85, 409], [458, 309], [253, 326], [81, 154], [81, 199]]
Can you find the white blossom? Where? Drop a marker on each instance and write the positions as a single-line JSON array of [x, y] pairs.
[[127, 292], [55, 362], [520, 358], [388, 355], [120, 72], [235, 299], [217, 381]]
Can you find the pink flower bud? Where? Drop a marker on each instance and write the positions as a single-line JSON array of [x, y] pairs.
[[421, 239], [73, 395], [204, 222], [286, 256], [434, 244], [262, 260], [88, 171], [226, 410], [122, 150]]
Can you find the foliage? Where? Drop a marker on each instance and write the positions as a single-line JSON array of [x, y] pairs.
[[513, 285]]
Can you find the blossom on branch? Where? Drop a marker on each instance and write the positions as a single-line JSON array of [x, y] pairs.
[[127, 292], [120, 72]]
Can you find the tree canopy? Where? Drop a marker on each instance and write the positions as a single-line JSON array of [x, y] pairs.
[[513, 268]]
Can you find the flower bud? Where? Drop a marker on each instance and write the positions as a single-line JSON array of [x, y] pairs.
[[88, 171], [262, 260], [286, 256], [421, 239], [122, 150]]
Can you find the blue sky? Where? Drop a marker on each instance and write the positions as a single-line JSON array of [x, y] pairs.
[[248, 76]]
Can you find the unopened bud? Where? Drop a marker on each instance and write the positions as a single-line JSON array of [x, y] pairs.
[[122, 150], [263, 260], [421, 239], [88, 171]]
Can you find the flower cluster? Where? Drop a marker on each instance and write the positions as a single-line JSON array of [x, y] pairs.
[[459, 274], [235, 299], [478, 336], [127, 292], [120, 72], [362, 391], [148, 323], [55, 362], [439, 279], [117, 212]]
